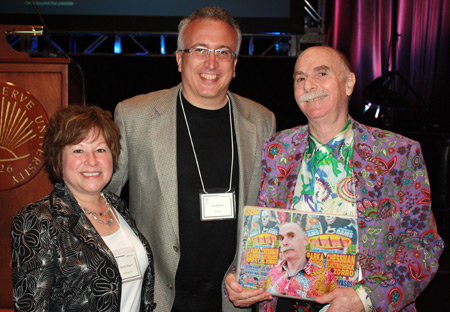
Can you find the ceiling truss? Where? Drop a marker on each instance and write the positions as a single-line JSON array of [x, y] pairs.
[[152, 44]]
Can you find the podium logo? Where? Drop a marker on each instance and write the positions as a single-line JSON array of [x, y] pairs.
[[23, 123]]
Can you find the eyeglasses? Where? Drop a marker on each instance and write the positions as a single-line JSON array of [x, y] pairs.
[[220, 54]]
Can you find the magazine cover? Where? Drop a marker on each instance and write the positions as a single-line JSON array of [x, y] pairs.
[[297, 254]]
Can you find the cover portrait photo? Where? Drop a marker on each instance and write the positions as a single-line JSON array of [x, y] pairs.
[[297, 254]]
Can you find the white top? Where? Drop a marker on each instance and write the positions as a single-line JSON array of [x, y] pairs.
[[125, 244]]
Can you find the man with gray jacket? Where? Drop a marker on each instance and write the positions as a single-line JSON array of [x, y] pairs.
[[191, 155]]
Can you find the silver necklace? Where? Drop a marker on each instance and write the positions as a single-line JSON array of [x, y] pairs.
[[101, 214]]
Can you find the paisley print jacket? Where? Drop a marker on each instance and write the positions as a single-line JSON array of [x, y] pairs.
[[60, 262], [399, 246]]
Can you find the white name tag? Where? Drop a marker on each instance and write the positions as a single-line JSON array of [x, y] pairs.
[[128, 264], [217, 206]]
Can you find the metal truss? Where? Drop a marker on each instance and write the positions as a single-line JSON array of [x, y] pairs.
[[152, 44]]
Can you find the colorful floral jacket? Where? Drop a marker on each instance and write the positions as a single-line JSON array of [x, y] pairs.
[[399, 246]]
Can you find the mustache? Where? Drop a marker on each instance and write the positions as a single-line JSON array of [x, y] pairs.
[[285, 248], [313, 95]]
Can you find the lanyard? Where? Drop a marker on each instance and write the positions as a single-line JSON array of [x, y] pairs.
[[193, 148]]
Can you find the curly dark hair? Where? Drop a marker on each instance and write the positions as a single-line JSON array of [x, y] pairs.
[[71, 125]]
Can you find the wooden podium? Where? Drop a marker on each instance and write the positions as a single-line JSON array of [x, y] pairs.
[[31, 89]]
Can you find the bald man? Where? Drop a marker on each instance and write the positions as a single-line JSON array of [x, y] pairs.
[[296, 275], [336, 165]]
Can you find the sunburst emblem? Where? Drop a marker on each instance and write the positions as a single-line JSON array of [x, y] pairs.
[[23, 124], [15, 130]]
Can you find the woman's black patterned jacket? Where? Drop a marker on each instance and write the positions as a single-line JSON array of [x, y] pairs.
[[60, 262]]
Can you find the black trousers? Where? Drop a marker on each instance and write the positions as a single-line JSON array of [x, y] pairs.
[[293, 305]]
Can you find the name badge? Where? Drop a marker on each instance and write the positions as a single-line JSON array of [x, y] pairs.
[[217, 205], [128, 264]]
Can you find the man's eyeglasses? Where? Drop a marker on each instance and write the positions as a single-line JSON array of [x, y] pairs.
[[221, 54]]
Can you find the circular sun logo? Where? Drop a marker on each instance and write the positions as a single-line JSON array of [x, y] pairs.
[[23, 124]]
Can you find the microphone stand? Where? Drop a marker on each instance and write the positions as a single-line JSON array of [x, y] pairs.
[[390, 77]]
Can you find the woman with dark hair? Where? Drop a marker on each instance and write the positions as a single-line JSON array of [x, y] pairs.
[[77, 249]]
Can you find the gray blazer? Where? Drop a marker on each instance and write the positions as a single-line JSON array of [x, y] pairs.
[[148, 162]]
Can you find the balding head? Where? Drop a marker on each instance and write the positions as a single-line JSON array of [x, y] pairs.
[[323, 84], [293, 240], [337, 56]]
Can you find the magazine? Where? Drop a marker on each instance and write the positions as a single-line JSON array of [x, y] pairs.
[[297, 254]]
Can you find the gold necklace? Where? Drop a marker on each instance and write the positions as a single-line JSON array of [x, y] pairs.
[[101, 214]]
